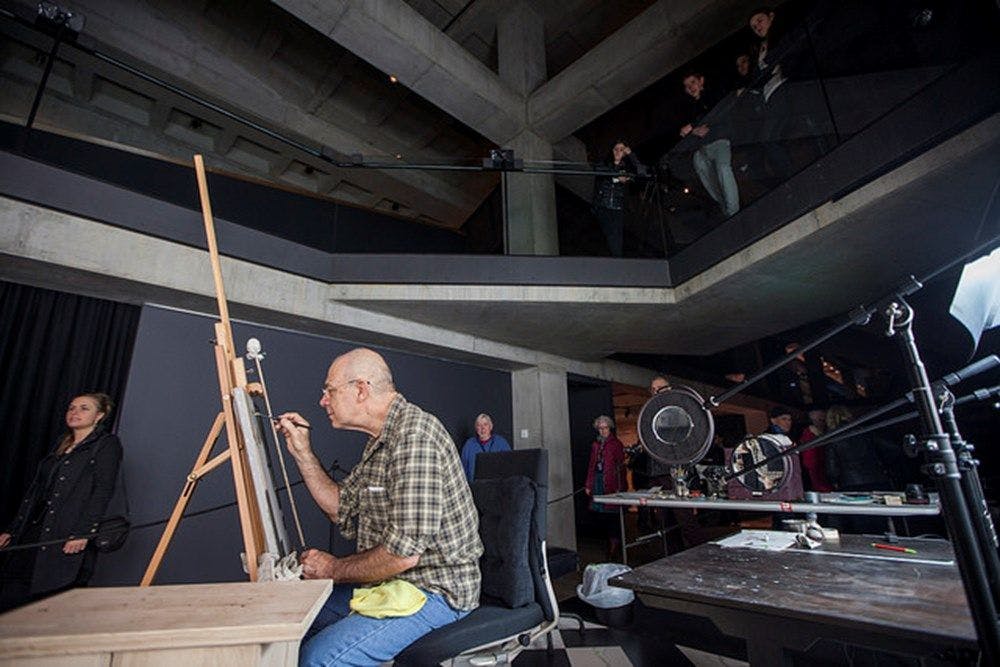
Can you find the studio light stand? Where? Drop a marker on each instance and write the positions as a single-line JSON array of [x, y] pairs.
[[942, 466]]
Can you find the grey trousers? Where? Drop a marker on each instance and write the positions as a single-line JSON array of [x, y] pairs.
[[714, 164]]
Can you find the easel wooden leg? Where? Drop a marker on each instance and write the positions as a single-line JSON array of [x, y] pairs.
[[182, 501]]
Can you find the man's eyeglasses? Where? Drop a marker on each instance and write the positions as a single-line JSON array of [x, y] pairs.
[[330, 390]]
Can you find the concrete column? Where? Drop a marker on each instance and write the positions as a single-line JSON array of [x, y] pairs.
[[531, 202], [530, 199], [521, 48], [541, 419]]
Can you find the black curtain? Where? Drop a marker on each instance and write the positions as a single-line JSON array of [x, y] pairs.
[[53, 346]]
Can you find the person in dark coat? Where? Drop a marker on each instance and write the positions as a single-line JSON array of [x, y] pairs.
[[66, 499], [859, 464], [610, 192], [606, 475]]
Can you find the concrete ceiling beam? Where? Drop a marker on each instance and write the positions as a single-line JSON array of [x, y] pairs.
[[327, 87], [225, 141], [160, 115], [269, 42], [238, 77], [646, 48], [83, 83], [396, 39]]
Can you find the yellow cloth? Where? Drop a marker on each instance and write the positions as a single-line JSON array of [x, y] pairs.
[[391, 598]]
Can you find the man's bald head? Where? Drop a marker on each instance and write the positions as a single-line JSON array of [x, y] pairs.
[[364, 364], [358, 391]]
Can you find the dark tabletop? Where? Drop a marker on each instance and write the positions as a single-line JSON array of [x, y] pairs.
[[898, 595]]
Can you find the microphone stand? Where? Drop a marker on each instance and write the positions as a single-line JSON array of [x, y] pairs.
[[942, 466]]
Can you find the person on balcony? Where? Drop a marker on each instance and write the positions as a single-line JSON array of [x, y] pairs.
[[782, 56], [713, 159], [772, 54], [609, 194]]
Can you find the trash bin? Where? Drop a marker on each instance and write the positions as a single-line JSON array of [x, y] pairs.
[[612, 605]]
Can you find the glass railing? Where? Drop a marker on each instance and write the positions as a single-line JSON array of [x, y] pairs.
[[708, 142], [761, 108]]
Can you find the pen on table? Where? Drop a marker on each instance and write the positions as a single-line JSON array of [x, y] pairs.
[[893, 547], [278, 419]]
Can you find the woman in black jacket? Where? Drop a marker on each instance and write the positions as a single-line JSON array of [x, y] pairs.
[[66, 499], [609, 195]]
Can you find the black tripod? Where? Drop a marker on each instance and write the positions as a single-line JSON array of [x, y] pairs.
[[651, 210]]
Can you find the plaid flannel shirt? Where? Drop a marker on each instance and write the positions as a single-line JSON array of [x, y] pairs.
[[409, 494]]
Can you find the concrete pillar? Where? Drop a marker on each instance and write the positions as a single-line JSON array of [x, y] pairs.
[[531, 202], [541, 419], [521, 48], [530, 199]]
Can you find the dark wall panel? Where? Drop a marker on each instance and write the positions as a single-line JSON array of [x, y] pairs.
[[173, 397]]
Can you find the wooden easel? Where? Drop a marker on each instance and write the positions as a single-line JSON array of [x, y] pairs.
[[232, 374]]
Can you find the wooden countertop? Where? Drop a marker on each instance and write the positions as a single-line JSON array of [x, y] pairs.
[[94, 620]]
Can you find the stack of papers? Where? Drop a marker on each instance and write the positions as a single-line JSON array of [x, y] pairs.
[[768, 540]]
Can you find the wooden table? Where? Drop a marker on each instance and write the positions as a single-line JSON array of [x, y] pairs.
[[789, 600], [191, 625]]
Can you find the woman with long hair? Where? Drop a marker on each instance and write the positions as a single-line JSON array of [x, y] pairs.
[[66, 500]]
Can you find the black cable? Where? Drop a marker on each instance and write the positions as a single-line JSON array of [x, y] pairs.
[[334, 467], [568, 495]]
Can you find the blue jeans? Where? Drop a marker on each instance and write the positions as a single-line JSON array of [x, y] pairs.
[[339, 637]]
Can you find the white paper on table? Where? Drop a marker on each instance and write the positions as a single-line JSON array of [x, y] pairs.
[[768, 540]]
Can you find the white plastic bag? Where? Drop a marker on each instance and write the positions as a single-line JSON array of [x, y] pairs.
[[596, 591]]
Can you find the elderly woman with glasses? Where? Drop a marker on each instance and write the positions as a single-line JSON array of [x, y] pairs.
[[606, 475]]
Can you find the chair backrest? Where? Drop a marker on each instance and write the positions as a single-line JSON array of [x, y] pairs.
[[532, 464]]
